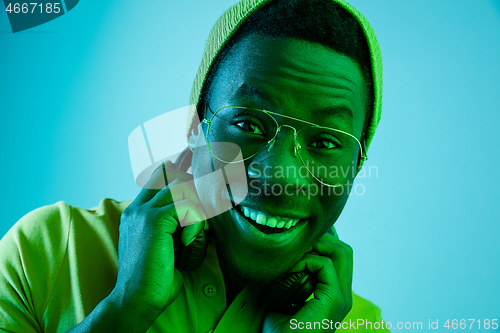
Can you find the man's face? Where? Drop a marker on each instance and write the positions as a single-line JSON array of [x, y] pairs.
[[303, 80]]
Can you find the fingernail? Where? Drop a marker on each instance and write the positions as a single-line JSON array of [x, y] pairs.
[[190, 241]]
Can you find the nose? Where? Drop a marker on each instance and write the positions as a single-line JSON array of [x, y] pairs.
[[279, 164]]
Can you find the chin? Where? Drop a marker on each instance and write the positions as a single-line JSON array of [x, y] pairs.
[[251, 268], [259, 274]]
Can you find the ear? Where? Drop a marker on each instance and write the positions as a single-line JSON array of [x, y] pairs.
[[196, 139]]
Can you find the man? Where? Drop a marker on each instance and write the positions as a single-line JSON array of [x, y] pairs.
[[293, 84]]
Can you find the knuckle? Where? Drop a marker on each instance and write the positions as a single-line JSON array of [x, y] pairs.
[[127, 215], [347, 249], [325, 260], [170, 224], [169, 211], [130, 213]]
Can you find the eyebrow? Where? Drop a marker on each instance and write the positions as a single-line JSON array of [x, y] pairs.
[[247, 90], [342, 111]]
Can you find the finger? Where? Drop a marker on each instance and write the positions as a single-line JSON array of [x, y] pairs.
[[192, 219], [182, 214], [322, 266], [341, 255], [177, 284], [176, 191], [191, 231], [167, 216], [173, 174], [185, 212], [343, 262], [327, 293], [155, 183]]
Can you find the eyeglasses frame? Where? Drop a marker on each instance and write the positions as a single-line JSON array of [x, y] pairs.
[[271, 142]]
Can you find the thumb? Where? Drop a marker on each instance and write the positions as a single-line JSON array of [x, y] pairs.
[[176, 284], [191, 231]]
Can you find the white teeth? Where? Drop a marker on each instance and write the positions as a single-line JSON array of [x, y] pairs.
[[261, 219], [246, 212], [271, 221]]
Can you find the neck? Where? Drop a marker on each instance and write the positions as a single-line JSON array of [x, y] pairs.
[[232, 288], [232, 282]]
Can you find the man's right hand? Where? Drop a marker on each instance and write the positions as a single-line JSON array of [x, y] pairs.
[[147, 278], [147, 281]]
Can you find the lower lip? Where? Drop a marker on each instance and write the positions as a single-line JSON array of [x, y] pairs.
[[262, 239]]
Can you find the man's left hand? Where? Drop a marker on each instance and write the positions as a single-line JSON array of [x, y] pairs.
[[332, 295]]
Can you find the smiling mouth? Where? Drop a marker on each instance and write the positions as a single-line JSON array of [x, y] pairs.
[[266, 223]]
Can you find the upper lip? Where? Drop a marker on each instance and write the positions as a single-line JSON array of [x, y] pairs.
[[278, 212]]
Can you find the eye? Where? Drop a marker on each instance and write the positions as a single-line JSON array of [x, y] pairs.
[[325, 144], [250, 126]]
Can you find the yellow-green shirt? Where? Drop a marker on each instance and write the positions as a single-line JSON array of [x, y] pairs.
[[58, 262]]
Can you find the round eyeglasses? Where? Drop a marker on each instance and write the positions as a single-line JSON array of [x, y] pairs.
[[328, 154]]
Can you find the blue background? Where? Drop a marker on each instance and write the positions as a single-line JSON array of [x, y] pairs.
[[425, 232]]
